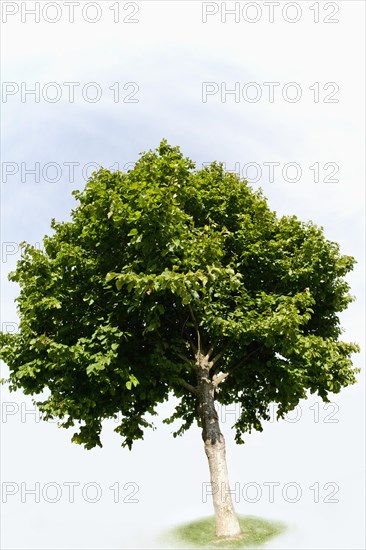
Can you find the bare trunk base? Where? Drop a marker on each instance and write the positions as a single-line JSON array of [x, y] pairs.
[[227, 525]]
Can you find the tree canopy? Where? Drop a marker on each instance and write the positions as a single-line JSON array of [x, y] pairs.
[[111, 307]]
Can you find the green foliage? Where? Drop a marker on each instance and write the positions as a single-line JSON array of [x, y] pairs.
[[109, 310]]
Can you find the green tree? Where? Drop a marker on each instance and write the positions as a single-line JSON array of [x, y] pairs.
[[172, 280]]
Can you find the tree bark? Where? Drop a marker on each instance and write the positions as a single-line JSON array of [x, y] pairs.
[[227, 525]]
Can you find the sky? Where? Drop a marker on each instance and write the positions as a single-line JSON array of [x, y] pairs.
[[274, 90]]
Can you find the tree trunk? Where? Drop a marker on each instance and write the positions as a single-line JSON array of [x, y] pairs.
[[227, 525]]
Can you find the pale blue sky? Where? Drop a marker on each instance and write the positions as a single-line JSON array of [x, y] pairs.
[[169, 54]]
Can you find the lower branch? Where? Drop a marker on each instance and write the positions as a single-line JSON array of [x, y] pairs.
[[217, 379], [188, 386]]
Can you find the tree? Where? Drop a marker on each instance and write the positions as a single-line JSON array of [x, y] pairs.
[[173, 280]]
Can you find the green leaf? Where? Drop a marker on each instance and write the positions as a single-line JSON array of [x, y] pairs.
[[110, 276]]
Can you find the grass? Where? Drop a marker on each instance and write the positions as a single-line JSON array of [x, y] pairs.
[[201, 533]]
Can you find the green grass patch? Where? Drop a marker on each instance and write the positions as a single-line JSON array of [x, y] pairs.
[[201, 533]]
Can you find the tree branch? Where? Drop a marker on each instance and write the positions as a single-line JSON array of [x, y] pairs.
[[244, 359], [192, 344], [219, 355], [218, 378], [184, 324], [185, 359], [197, 328], [194, 348], [210, 351], [188, 386]]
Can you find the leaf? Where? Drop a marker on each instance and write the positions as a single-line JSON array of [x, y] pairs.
[[119, 283], [111, 275]]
